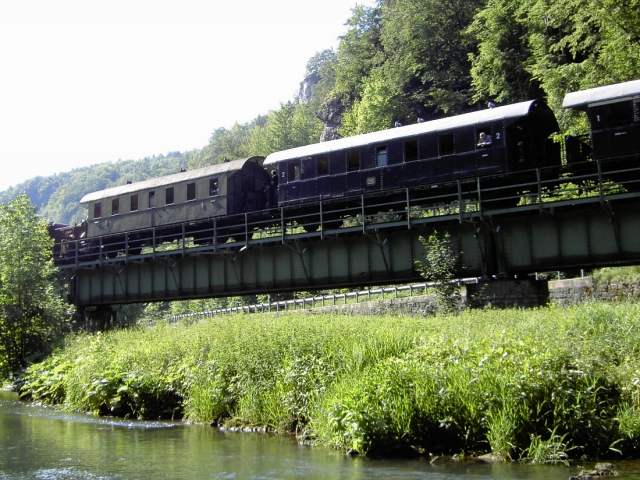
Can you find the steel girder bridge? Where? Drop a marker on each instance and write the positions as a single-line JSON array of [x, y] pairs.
[[513, 226]]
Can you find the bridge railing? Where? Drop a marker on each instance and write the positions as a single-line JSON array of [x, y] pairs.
[[318, 301], [461, 199]]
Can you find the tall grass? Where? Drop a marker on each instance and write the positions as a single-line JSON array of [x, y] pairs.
[[540, 385]]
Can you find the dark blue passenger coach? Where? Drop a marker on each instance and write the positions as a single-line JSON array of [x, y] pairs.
[[488, 142]]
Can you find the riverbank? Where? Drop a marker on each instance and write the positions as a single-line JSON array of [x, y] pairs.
[[539, 385]]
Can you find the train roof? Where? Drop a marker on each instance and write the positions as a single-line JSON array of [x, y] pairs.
[[156, 182], [515, 110], [617, 91]]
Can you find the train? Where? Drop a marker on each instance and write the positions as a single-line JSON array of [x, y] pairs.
[[502, 145]]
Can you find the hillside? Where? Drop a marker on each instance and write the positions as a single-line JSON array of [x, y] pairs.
[[56, 196]]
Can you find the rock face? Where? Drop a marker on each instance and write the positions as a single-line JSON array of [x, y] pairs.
[[329, 133], [330, 114]]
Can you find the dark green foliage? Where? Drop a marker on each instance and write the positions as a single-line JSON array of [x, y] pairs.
[[427, 53], [359, 52], [499, 68], [554, 47], [32, 313]]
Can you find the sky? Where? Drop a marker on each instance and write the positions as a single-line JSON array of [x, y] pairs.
[[87, 81]]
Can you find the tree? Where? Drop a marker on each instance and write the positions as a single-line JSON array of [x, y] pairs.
[[499, 67], [427, 53], [376, 110], [292, 125], [545, 47], [358, 53], [32, 312], [439, 266]]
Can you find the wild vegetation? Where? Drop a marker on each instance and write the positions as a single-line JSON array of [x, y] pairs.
[[544, 385], [32, 312]]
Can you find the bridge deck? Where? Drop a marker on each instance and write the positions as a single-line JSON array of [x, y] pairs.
[[545, 231]]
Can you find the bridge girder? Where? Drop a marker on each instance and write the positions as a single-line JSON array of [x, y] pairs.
[[555, 237]]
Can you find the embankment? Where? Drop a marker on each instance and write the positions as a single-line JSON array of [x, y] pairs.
[[538, 384]]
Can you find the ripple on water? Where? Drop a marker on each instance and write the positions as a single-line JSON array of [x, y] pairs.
[[58, 474], [70, 474]]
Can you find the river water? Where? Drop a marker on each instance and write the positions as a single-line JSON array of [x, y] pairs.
[[46, 444]]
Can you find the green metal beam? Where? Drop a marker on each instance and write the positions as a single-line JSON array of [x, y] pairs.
[[547, 238]]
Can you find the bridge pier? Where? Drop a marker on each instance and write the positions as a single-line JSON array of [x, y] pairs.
[[97, 318], [507, 293]]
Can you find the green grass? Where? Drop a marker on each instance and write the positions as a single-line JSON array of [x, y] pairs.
[[539, 385]]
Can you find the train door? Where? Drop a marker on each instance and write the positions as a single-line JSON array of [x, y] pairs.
[[465, 147], [338, 173], [489, 148], [309, 181], [293, 180], [354, 166], [411, 162], [391, 175], [323, 175], [518, 147], [424, 170]]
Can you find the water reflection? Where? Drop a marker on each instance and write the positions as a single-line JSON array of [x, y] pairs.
[[39, 443]]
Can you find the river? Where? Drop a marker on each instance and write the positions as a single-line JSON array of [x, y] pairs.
[[46, 444]]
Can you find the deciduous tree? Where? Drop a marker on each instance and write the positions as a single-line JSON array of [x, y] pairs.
[[31, 310]]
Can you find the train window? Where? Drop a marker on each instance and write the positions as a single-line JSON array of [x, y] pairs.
[[612, 114], [484, 139], [445, 144], [213, 186], [133, 202], [115, 206], [620, 114], [168, 196], [410, 150], [428, 146], [382, 160], [152, 199], [353, 160], [97, 210], [323, 165], [191, 191], [636, 110], [337, 163], [293, 170], [308, 169]]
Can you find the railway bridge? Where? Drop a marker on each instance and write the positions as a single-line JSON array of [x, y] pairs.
[[499, 232]]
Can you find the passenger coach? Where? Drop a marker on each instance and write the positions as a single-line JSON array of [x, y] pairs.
[[614, 116], [224, 189], [498, 140]]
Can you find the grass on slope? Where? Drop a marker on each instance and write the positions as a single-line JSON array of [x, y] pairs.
[[539, 385]]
